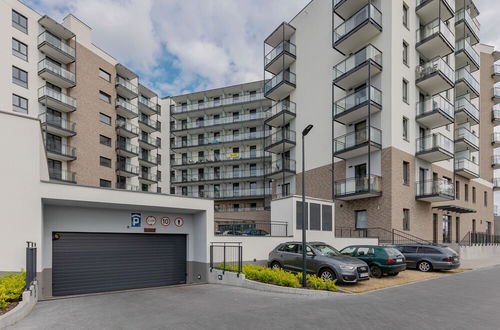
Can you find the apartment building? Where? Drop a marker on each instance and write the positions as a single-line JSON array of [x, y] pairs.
[[101, 126], [218, 149]]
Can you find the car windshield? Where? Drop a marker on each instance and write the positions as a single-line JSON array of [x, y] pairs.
[[326, 250], [392, 252]]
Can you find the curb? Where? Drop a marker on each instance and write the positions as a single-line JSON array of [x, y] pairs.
[[25, 306]]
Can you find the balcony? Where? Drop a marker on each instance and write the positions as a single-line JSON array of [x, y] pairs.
[[465, 83], [435, 77], [148, 178], [230, 175], [435, 191], [435, 40], [57, 125], [495, 140], [147, 124], [148, 160], [126, 129], [62, 176], [496, 186], [495, 162], [55, 74], [358, 188], [469, 4], [233, 158], [466, 168], [280, 169], [126, 149], [229, 194], [281, 114], [56, 100], [147, 107], [347, 8], [206, 107], [354, 106], [200, 143], [280, 141], [126, 109], [125, 186], [357, 143], [59, 151], [229, 122], [125, 88], [280, 57], [358, 68], [496, 73], [495, 116], [465, 140], [435, 148], [496, 95], [280, 86], [465, 55], [465, 111], [435, 112], [55, 48], [282, 33], [148, 143], [429, 10], [466, 26], [357, 30], [126, 169]]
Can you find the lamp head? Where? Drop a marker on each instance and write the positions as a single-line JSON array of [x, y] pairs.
[[307, 130]]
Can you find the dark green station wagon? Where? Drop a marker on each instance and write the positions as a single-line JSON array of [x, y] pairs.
[[381, 260]]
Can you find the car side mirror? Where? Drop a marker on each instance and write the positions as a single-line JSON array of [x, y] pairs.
[[310, 254]]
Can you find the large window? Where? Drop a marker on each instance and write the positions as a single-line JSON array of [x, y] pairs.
[[103, 161], [405, 128], [19, 77], [406, 219], [19, 21], [405, 91], [105, 97], [19, 49], [105, 140], [104, 118], [406, 173], [104, 75], [104, 183], [19, 104], [361, 219]]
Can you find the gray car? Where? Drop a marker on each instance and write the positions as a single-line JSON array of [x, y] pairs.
[[429, 257], [322, 260]]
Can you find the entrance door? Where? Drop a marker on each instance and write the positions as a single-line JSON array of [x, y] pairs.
[[360, 177]]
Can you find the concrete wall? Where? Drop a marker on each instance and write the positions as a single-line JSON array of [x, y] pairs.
[[479, 252]]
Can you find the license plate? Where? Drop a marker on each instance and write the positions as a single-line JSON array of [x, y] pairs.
[[363, 275], [455, 258], [399, 260]]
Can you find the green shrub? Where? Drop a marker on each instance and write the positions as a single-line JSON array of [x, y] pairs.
[[11, 288]]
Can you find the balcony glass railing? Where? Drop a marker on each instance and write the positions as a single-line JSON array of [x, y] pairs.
[[61, 149], [495, 160], [125, 186], [435, 103], [148, 121], [280, 136], [127, 105], [281, 165], [472, 23], [56, 43], [50, 119], [127, 147], [149, 176], [127, 167], [465, 133], [283, 76], [435, 27], [358, 59], [495, 113], [463, 104], [285, 46], [223, 175], [283, 105], [496, 69], [436, 65], [147, 103], [127, 84], [434, 141], [149, 158], [496, 92], [56, 70], [214, 103], [127, 126], [358, 185], [231, 156], [148, 140], [464, 74], [61, 175], [451, 3], [464, 164], [58, 96], [495, 138], [465, 45], [221, 121], [363, 15], [359, 97], [193, 142], [356, 138], [439, 187]]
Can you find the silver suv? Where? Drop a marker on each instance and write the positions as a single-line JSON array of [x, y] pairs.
[[321, 259]]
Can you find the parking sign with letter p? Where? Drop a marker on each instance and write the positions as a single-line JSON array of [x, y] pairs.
[[135, 219]]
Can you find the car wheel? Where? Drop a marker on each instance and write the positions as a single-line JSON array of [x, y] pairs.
[[327, 274], [276, 265], [394, 274], [376, 271], [424, 266]]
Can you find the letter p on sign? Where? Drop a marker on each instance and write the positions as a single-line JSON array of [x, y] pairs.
[[135, 219]]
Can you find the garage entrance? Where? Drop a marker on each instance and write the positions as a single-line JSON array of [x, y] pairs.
[[99, 262]]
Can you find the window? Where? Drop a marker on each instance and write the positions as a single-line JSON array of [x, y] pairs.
[[405, 128], [19, 104], [19, 49], [406, 173], [406, 219], [409, 249], [428, 250], [105, 140], [104, 97], [253, 206], [457, 190], [144, 187], [104, 183], [405, 53], [365, 251], [405, 91], [104, 119], [19, 77], [485, 196], [473, 194], [405, 15], [361, 219], [19, 21], [290, 248], [103, 161], [466, 192], [104, 75]]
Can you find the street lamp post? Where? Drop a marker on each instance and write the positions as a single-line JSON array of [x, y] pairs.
[[304, 133]]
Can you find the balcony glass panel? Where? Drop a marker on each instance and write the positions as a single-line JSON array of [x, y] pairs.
[[283, 76], [436, 26], [464, 133], [193, 142], [465, 104], [366, 13], [127, 146], [147, 103], [285, 46], [282, 165], [356, 138], [464, 74], [358, 185], [495, 160], [61, 149], [466, 164], [496, 69], [281, 106], [473, 23], [435, 187], [496, 91], [465, 45], [61, 175], [280, 136], [437, 102], [357, 98], [436, 65], [127, 167], [56, 69], [223, 120], [63, 98], [58, 122], [127, 105], [127, 84], [181, 108], [495, 113], [57, 43], [434, 141], [355, 60]]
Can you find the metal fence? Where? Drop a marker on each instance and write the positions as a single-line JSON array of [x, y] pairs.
[[226, 256], [230, 227], [474, 238], [384, 236], [30, 264]]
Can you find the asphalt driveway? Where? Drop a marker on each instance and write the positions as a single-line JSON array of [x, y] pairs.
[[468, 300]]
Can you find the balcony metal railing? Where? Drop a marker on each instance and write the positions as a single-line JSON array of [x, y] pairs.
[[353, 100], [63, 98], [462, 164], [56, 43], [127, 146], [437, 102], [284, 46], [434, 141], [61, 149], [281, 165], [283, 76], [127, 84], [436, 65], [283, 105], [464, 74], [147, 103], [366, 13], [149, 176], [193, 160], [356, 138], [465, 45], [222, 120], [473, 24], [125, 186], [434, 27], [61, 175], [464, 104], [182, 108], [127, 167], [127, 105], [465, 133], [358, 185], [281, 135], [56, 70], [358, 59], [440, 187], [193, 142], [127, 126], [50, 119]]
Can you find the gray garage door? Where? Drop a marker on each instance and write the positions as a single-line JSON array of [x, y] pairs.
[[94, 262]]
